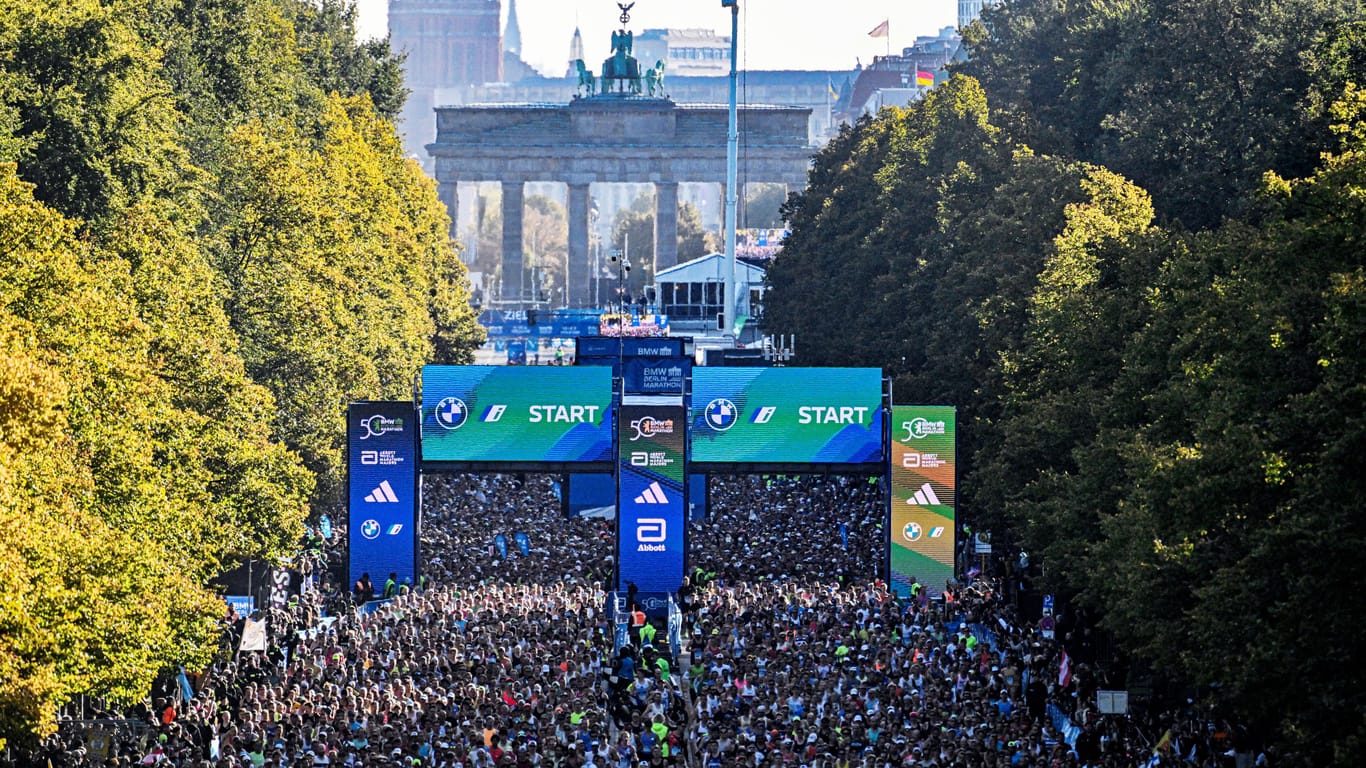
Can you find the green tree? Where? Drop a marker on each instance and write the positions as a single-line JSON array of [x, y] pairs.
[[1191, 99], [763, 206], [93, 126], [865, 243], [639, 221], [545, 233], [155, 374], [694, 241], [335, 62], [223, 454], [1180, 433], [103, 572], [341, 279]]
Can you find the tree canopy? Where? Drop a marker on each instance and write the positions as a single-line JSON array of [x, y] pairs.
[[1140, 279], [212, 242], [636, 225]]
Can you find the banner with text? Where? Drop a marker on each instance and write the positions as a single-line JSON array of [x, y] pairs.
[[787, 415], [924, 496], [651, 525], [382, 484], [549, 324], [664, 376], [510, 414]]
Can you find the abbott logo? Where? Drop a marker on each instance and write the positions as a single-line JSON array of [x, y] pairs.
[[652, 530], [493, 413], [640, 458], [763, 415]]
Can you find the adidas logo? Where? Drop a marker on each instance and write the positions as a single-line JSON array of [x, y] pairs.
[[653, 495], [384, 494], [924, 497]]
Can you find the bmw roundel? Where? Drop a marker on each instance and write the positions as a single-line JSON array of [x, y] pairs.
[[451, 412], [721, 414], [369, 529], [912, 531]]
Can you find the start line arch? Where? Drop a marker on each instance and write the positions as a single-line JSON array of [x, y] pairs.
[[638, 410]]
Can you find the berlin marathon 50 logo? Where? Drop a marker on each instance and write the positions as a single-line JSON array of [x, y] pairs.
[[649, 426], [379, 425]]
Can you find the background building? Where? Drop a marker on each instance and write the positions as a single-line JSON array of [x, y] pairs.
[[685, 52], [971, 10], [447, 43], [891, 80]]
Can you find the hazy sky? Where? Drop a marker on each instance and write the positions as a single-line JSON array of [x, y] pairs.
[[774, 34]]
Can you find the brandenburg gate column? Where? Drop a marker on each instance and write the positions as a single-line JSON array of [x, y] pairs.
[[449, 194], [514, 271], [666, 225], [578, 279]]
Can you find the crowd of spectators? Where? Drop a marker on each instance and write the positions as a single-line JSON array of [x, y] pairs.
[[794, 654]]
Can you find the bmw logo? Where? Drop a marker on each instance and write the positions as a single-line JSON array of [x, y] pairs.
[[451, 412], [912, 531], [721, 414], [370, 529]]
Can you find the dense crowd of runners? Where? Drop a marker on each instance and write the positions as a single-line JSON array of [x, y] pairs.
[[793, 653]]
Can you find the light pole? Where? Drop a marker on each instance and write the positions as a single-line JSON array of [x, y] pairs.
[[728, 302], [597, 252], [618, 257]]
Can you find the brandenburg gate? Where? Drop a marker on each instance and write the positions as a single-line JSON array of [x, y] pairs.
[[619, 128]]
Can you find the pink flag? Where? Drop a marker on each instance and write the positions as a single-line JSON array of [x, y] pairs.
[[1065, 671]]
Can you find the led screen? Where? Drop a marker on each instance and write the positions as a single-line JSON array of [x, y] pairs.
[[787, 415], [513, 414]]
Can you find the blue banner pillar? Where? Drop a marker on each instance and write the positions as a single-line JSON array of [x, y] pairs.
[[383, 492], [651, 497]]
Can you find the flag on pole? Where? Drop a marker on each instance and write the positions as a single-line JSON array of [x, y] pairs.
[[881, 29], [830, 85], [924, 78], [1064, 670]]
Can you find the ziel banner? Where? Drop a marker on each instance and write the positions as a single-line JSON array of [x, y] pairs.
[[787, 415], [652, 521], [924, 495], [473, 413], [383, 497]]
